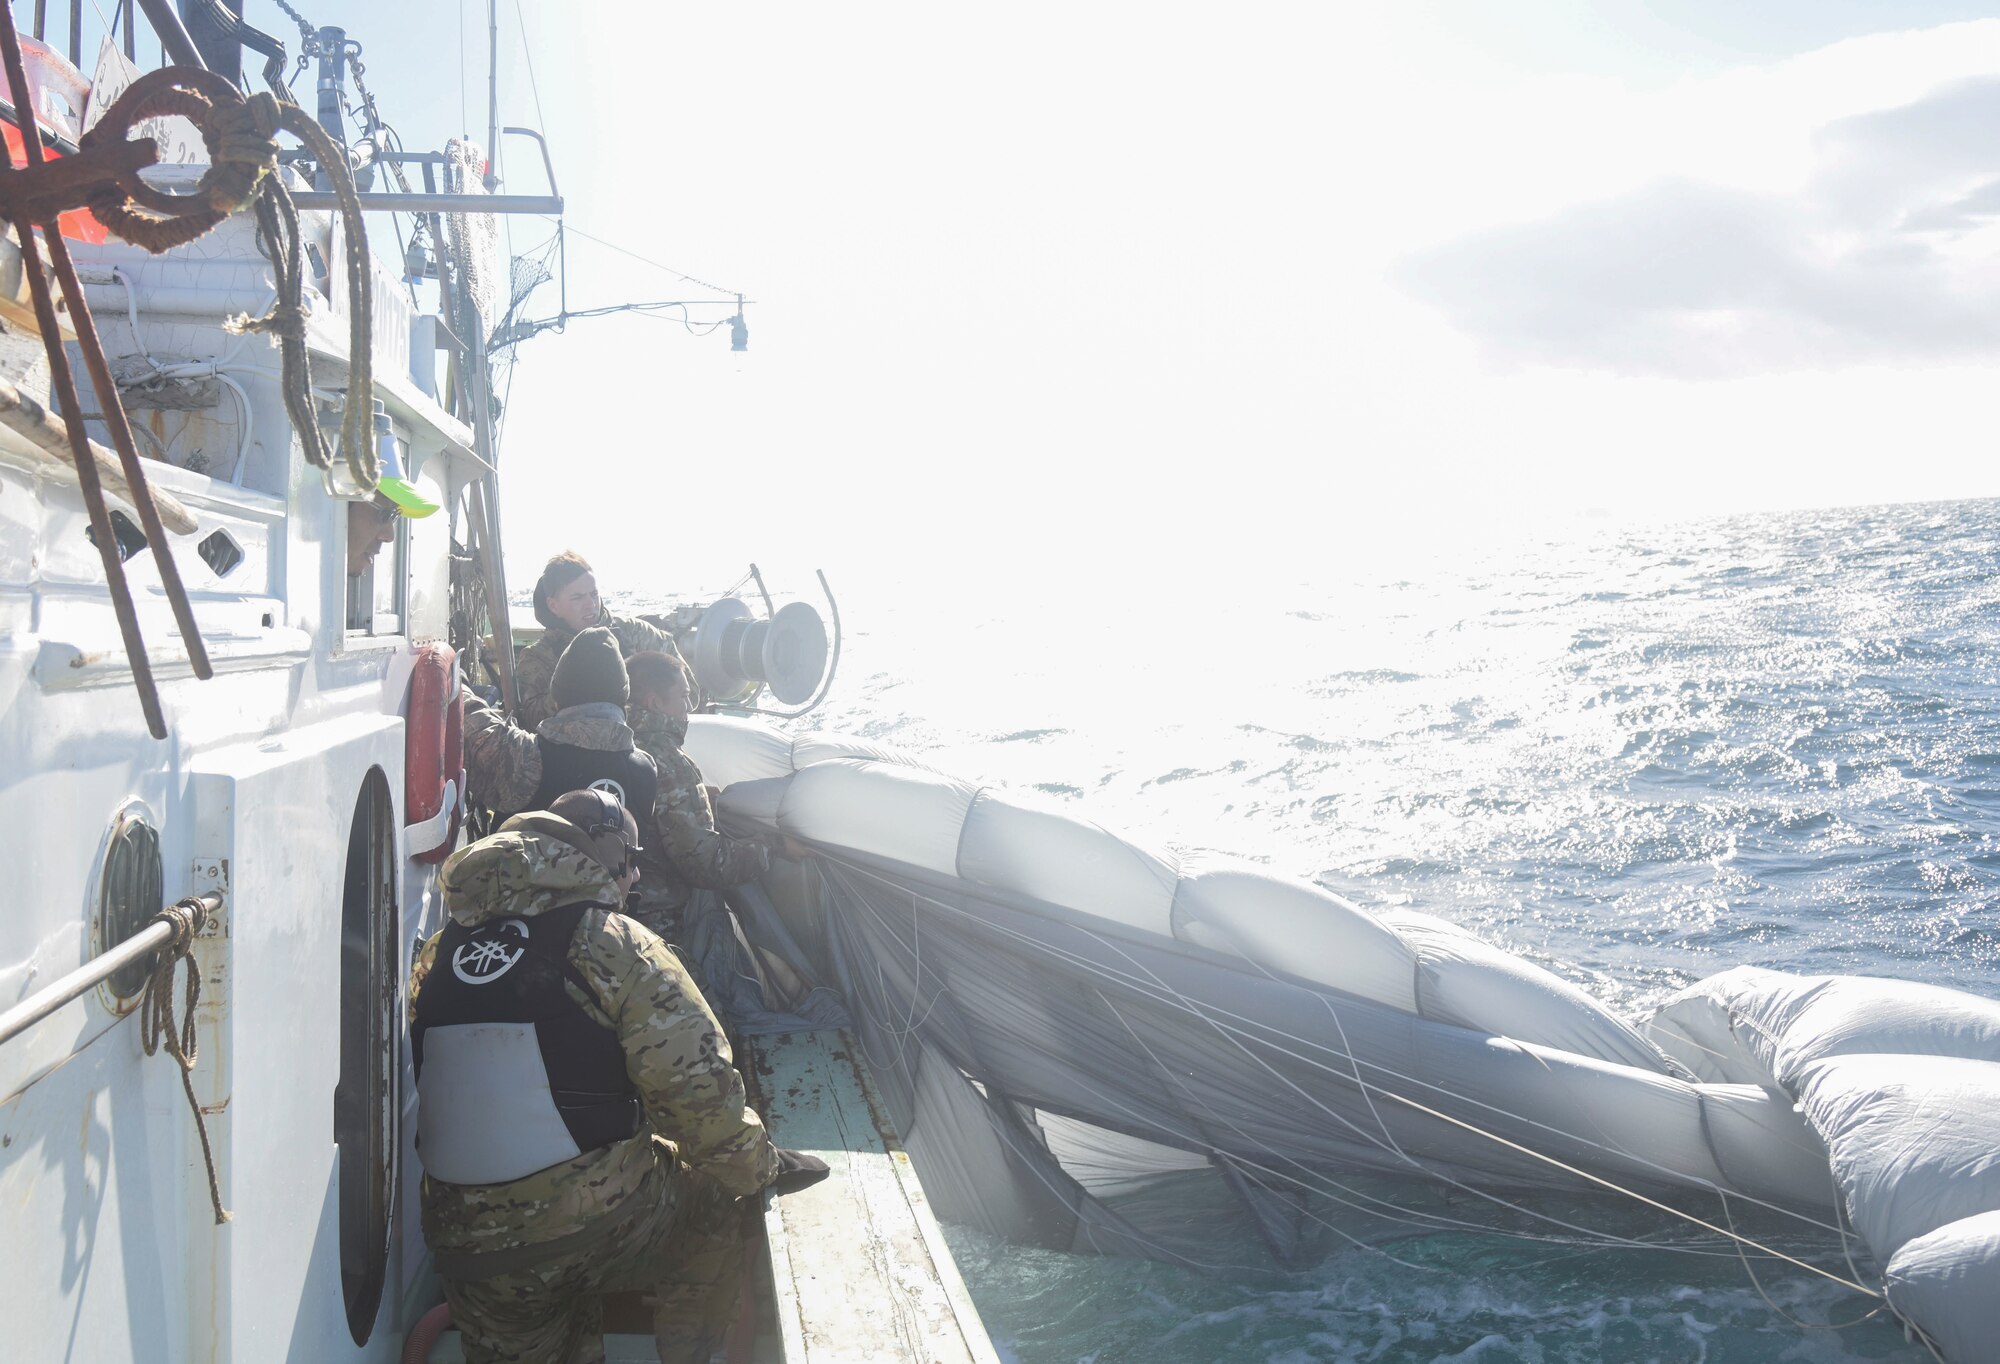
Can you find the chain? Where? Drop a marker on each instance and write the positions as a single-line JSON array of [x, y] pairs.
[[308, 34]]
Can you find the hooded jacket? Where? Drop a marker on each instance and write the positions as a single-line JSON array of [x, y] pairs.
[[504, 763], [535, 668], [676, 1054], [687, 850]]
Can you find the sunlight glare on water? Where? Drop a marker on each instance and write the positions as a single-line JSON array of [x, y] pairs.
[[1635, 755]]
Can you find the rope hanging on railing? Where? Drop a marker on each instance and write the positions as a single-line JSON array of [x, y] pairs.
[[156, 1018]]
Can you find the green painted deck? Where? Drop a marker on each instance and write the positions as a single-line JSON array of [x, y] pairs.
[[858, 1271]]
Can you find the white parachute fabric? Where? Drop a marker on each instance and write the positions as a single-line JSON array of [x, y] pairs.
[[1902, 1083], [1049, 1008], [1949, 1282]]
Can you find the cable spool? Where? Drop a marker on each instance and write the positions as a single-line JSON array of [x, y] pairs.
[[734, 652]]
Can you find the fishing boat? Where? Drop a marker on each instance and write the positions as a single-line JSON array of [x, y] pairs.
[[233, 768]]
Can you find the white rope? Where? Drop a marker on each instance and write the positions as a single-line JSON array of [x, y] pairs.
[[1432, 1112], [1591, 1236], [1258, 1031]]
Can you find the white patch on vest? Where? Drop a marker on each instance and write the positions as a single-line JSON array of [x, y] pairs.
[[611, 787], [485, 1112], [487, 959]]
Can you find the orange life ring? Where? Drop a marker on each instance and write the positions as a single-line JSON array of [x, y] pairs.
[[434, 747]]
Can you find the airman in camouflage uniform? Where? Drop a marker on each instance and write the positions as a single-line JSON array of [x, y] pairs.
[[523, 1262], [503, 763], [567, 585], [686, 850]]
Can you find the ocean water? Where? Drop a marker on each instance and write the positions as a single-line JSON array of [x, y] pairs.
[[1634, 755]]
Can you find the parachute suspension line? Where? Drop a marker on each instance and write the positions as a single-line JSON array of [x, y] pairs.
[[1841, 1220], [1422, 1221], [156, 1011], [1591, 1236], [1132, 982], [1388, 1140], [1515, 1146], [1138, 1119], [1432, 1222], [820, 867], [1781, 1313], [1435, 1222], [1213, 1016]]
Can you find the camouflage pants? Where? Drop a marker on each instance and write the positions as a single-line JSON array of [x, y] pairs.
[[685, 1247]]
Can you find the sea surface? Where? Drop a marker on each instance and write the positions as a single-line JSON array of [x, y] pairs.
[[1636, 755]]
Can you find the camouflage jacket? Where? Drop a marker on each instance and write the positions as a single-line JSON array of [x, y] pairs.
[[535, 668], [688, 849], [503, 763], [675, 1051]]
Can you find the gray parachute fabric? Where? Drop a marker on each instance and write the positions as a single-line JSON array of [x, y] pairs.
[[1091, 1045]]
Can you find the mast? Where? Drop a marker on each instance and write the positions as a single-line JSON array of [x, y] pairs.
[[492, 94], [332, 63]]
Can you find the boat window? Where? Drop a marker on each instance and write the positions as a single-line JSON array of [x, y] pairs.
[[376, 596], [220, 552], [125, 534], [128, 892], [367, 1099]]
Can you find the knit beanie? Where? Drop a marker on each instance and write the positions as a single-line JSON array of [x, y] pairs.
[[591, 669]]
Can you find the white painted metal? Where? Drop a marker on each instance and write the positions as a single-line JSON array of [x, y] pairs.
[[108, 1251]]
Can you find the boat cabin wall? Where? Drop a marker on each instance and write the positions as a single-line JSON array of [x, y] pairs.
[[282, 782]]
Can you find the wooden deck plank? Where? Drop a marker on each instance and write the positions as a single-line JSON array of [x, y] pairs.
[[860, 1268]]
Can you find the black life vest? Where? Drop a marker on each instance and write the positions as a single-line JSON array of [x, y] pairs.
[[512, 1075], [630, 776]]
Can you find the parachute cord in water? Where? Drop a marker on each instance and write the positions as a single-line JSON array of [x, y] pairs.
[[1143, 1121], [1167, 996], [1841, 1218], [1532, 1154], [1780, 1312], [1162, 993], [1187, 1005], [1422, 1221], [1364, 1086], [1007, 1136]]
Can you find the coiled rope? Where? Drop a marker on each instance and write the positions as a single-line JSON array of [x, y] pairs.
[[104, 177], [156, 1016], [240, 133]]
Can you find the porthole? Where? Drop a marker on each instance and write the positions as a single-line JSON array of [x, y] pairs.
[[125, 535], [220, 552], [129, 885]]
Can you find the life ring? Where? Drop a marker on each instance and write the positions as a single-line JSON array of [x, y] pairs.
[[434, 755]]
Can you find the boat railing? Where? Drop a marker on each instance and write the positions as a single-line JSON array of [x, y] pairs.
[[137, 948]]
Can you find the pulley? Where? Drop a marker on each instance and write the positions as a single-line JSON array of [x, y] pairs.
[[734, 651]]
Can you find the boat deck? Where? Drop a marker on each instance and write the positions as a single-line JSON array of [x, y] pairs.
[[856, 1267]]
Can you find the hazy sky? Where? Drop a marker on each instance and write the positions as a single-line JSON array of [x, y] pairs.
[[1134, 285]]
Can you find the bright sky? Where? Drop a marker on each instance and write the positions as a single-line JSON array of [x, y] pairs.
[[1133, 286]]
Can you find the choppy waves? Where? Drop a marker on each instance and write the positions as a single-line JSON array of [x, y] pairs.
[[1637, 758]]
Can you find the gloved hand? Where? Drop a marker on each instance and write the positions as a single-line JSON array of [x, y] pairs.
[[797, 1170]]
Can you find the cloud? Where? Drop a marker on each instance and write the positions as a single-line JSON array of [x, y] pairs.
[[1882, 251]]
